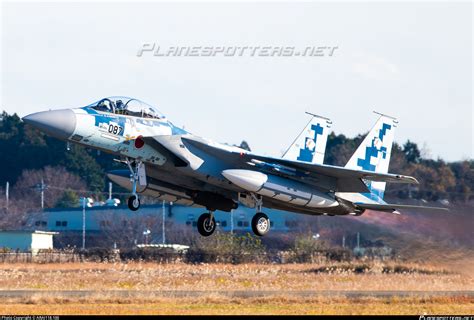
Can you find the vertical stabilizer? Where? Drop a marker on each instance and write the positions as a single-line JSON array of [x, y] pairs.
[[374, 152], [310, 145]]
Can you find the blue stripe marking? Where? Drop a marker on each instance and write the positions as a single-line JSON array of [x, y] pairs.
[[176, 130], [121, 121], [105, 118], [90, 110], [383, 131], [364, 163], [306, 153], [372, 151]]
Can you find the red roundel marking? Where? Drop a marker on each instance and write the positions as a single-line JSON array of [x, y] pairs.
[[139, 142]]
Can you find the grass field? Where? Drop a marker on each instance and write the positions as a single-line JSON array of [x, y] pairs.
[[274, 305], [152, 276], [282, 280]]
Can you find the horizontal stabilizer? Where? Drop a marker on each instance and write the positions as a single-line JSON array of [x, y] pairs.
[[394, 207]]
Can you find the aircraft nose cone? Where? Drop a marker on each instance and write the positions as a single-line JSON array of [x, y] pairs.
[[56, 123]]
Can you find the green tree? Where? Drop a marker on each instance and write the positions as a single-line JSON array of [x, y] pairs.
[[412, 153], [464, 175], [435, 177], [69, 199], [340, 148], [82, 163]]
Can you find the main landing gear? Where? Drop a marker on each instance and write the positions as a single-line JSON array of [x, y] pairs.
[[206, 224], [260, 221], [134, 201], [260, 224]]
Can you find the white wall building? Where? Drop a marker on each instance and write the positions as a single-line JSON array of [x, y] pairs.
[[26, 240]]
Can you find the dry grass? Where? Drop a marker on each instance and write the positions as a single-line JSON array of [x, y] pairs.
[[151, 276], [219, 305], [147, 277]]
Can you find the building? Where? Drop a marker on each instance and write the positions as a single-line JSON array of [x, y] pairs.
[[32, 241], [102, 217]]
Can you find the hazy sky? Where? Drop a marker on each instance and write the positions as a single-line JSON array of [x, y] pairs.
[[412, 61]]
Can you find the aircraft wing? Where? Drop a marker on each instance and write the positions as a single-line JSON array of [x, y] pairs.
[[331, 177], [394, 207], [340, 172]]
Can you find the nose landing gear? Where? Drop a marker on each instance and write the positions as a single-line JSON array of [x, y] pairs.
[[137, 175], [133, 202]]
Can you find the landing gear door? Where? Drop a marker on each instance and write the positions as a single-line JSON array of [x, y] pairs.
[[142, 175], [247, 200]]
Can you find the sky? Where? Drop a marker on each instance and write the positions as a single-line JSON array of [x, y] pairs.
[[409, 60]]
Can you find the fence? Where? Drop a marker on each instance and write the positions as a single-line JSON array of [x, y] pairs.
[[159, 256], [40, 257]]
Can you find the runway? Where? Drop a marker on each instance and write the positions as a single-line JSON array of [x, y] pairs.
[[136, 294]]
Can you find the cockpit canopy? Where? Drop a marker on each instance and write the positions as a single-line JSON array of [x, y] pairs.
[[127, 106]]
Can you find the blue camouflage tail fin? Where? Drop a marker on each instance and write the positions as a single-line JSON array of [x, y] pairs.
[[374, 153], [310, 145]]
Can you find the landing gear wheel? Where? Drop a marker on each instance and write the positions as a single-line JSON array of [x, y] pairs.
[[260, 224], [206, 224], [134, 203]]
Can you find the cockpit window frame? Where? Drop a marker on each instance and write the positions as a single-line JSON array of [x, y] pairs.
[[146, 111], [98, 106]]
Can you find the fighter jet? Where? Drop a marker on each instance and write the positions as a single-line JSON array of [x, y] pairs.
[[172, 164]]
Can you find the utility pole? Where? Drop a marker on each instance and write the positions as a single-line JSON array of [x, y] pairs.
[[83, 223], [163, 225], [42, 187], [7, 193]]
